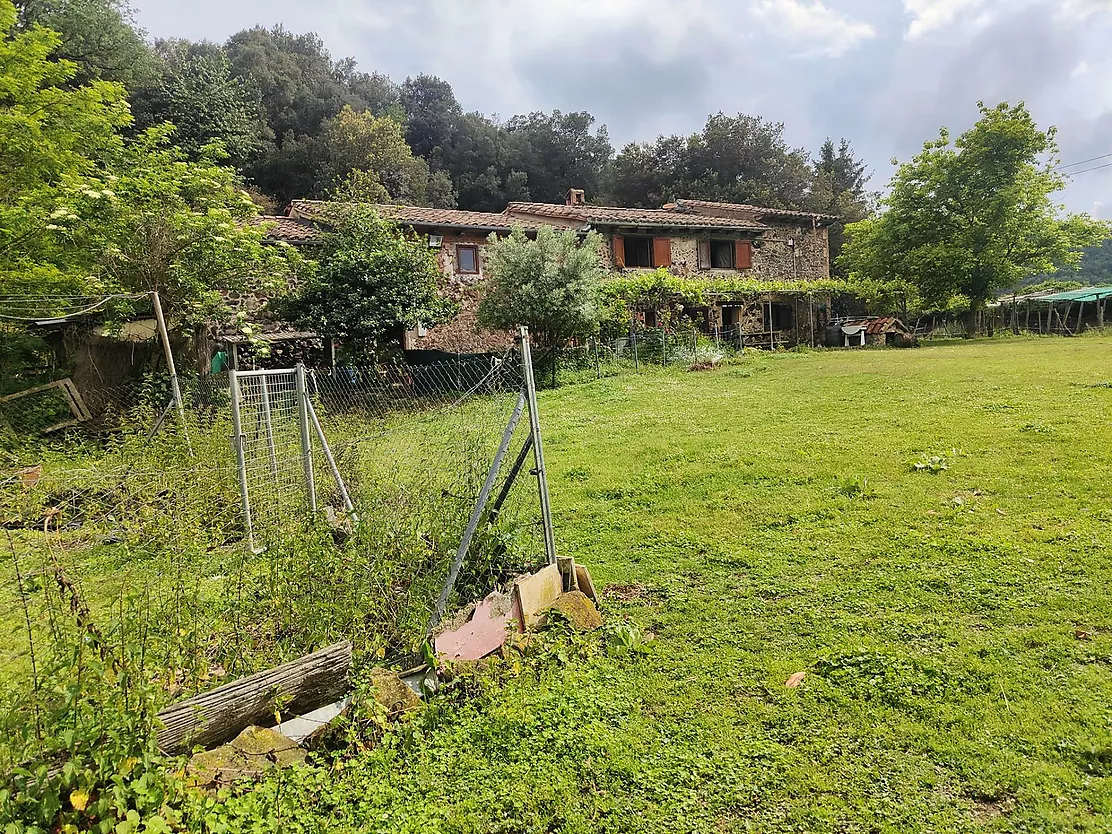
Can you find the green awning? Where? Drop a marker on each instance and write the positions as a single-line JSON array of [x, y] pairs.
[[1082, 295]]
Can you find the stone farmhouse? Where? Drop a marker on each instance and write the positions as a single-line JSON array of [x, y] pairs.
[[689, 237]]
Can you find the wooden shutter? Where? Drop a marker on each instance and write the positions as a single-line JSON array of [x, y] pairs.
[[619, 246], [743, 254], [704, 254], [662, 251]]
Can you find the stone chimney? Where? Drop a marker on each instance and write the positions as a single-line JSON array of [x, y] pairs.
[[576, 197]]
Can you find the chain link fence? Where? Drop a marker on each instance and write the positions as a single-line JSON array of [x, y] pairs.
[[142, 516]]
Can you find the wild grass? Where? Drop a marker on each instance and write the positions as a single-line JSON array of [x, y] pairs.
[[768, 518]]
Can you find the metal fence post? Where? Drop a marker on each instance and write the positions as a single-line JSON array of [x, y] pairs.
[[241, 458], [175, 385], [349, 507], [771, 332], [477, 512], [538, 446], [633, 336], [306, 439], [663, 347], [598, 367]]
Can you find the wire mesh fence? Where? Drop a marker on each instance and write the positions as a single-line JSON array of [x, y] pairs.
[[643, 349], [141, 522]]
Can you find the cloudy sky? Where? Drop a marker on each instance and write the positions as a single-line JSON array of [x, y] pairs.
[[883, 73]]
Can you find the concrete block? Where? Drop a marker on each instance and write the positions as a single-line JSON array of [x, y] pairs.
[[583, 580], [535, 593]]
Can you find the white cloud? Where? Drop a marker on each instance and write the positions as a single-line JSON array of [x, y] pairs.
[[929, 15], [1075, 10], [932, 15], [819, 28]]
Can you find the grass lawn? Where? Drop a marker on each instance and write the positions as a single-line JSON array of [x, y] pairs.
[[955, 626]]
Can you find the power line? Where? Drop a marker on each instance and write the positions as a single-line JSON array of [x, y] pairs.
[[1083, 161], [1087, 170]]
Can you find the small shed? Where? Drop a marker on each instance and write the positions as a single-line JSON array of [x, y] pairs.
[[867, 330]]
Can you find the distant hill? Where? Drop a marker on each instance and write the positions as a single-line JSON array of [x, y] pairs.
[[1096, 268]]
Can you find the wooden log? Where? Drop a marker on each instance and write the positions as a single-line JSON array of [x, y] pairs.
[[219, 715]]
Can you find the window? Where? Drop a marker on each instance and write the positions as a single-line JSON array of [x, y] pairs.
[[722, 254], [725, 254], [781, 317], [467, 259], [639, 251]]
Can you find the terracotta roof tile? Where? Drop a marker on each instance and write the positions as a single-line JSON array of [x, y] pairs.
[[874, 325], [693, 206], [617, 216], [288, 229], [325, 211]]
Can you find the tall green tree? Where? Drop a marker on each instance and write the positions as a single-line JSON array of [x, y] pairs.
[[973, 216], [558, 151], [432, 114], [198, 94], [840, 188], [733, 159], [373, 282], [53, 133], [98, 36], [745, 159], [550, 284], [374, 149], [158, 220], [299, 87], [649, 174], [86, 210], [482, 164]]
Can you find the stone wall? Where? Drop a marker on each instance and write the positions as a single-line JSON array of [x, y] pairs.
[[462, 334], [773, 258]]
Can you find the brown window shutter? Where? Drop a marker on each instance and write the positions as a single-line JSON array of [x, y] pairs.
[[662, 251], [704, 254], [743, 254], [619, 251]]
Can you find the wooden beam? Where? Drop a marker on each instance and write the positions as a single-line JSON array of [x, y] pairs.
[[219, 715]]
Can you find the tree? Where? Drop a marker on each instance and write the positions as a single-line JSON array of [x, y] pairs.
[[744, 159], [558, 151], [52, 134], [647, 175], [198, 94], [733, 159], [297, 83], [974, 216], [839, 188], [85, 210], [298, 87], [96, 35], [158, 221], [481, 165], [372, 283], [432, 114], [550, 285], [375, 147]]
